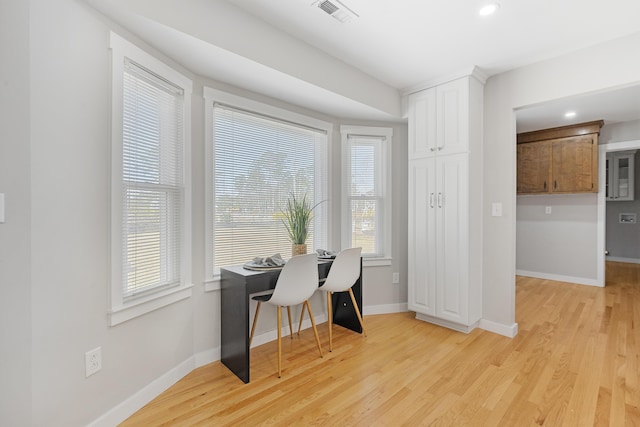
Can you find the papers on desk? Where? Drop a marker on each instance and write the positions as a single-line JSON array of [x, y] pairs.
[[325, 254], [273, 262]]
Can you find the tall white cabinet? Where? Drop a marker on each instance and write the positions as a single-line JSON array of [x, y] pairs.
[[445, 203]]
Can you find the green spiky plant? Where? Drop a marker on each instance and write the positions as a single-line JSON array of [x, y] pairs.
[[297, 218]]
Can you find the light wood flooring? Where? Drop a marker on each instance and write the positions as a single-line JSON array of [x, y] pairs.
[[573, 363]]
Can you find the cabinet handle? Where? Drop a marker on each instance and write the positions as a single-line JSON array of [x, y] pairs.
[[555, 184], [439, 200], [440, 148], [432, 149], [431, 199], [545, 185]]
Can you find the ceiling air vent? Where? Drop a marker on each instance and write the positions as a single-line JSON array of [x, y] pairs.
[[336, 9]]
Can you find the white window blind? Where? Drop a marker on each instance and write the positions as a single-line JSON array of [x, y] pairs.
[[366, 193], [259, 162], [152, 181]]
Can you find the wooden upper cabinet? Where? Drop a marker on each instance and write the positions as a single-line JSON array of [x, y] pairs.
[[559, 160], [575, 165], [534, 167]]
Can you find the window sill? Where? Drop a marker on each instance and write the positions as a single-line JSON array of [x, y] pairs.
[[376, 262], [148, 304], [212, 284]]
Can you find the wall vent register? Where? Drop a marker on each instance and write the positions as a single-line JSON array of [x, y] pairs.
[[336, 9]]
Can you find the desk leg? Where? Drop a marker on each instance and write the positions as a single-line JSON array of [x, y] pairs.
[[343, 312], [234, 309]]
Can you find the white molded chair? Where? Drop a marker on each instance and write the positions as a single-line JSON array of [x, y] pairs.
[[297, 282], [344, 272]]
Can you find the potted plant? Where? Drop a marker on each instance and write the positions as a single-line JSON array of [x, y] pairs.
[[297, 219]]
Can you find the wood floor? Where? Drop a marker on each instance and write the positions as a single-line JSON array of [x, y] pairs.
[[573, 363]]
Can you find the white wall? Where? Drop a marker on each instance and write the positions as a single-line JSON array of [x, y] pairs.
[[70, 158], [15, 235], [620, 132], [600, 67], [560, 245], [54, 248]]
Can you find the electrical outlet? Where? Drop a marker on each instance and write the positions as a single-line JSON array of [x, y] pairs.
[[93, 361], [396, 278]]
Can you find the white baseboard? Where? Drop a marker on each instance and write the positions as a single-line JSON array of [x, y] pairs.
[[508, 331], [620, 259], [132, 404], [559, 278], [386, 308], [446, 323], [273, 335], [207, 356], [127, 408]]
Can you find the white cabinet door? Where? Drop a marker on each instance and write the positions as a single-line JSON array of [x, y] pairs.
[[422, 241], [452, 238], [439, 120], [422, 123], [438, 237], [452, 112], [620, 176]]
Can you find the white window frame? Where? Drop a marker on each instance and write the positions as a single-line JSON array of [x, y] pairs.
[[384, 216], [211, 96], [121, 308]]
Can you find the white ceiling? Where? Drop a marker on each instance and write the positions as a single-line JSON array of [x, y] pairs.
[[401, 43], [620, 105], [406, 42]]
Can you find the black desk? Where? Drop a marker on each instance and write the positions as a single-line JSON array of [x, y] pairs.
[[238, 283]]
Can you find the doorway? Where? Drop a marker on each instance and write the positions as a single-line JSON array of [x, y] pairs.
[[604, 149], [615, 107]]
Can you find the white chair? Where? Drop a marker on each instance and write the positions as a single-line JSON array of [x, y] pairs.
[[344, 272], [298, 280]]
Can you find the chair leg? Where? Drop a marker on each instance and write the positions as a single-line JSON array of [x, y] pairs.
[[255, 320], [301, 316], [279, 342], [290, 324], [313, 325], [355, 305], [330, 319]]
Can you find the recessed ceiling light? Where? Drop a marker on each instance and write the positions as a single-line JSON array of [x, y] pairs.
[[570, 114], [488, 9]]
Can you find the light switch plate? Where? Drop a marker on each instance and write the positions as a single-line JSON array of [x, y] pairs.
[[496, 209], [1, 208]]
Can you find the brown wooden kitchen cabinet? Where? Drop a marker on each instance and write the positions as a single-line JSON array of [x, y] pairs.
[[534, 167], [559, 160]]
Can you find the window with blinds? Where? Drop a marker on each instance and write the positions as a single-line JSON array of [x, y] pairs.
[[152, 181], [366, 210], [259, 162]]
